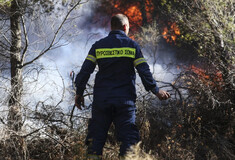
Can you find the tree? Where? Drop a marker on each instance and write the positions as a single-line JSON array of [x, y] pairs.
[[208, 27], [18, 48], [17, 16]]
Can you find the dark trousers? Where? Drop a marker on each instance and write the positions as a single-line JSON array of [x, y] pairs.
[[123, 117]]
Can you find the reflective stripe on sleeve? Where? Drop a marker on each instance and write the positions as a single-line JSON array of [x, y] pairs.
[[139, 61], [115, 52], [91, 58]]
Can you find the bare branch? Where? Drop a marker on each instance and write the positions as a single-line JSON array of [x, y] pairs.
[[35, 131], [54, 38], [6, 39], [26, 40]]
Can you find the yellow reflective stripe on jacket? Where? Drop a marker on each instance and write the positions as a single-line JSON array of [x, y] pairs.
[[91, 58], [115, 52], [139, 61]]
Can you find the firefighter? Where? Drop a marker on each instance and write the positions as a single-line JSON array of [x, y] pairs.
[[114, 96]]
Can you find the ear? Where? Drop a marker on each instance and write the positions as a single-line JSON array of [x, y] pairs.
[[124, 27]]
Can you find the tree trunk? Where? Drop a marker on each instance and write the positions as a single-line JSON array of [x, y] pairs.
[[15, 115], [17, 147]]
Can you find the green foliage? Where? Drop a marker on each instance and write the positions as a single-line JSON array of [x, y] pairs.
[[5, 2], [203, 119], [203, 22], [208, 28]]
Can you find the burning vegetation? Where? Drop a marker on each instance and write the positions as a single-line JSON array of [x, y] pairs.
[[142, 13], [198, 122], [170, 33]]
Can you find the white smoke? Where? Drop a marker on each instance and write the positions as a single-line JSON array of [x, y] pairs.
[[58, 63], [54, 68]]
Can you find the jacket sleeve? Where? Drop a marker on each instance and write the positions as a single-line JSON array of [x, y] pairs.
[[142, 68], [87, 68]]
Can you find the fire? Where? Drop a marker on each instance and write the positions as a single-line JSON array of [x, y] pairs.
[[200, 72], [149, 8], [134, 14], [171, 34], [132, 37], [212, 79], [164, 33], [175, 28]]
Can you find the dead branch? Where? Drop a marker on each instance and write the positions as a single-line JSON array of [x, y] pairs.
[[52, 43]]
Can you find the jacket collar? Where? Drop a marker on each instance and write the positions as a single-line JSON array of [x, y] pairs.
[[117, 32]]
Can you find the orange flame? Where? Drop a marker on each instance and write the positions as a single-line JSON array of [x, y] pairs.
[[132, 37], [200, 72], [171, 34], [164, 33], [134, 14], [215, 80], [149, 6], [175, 28], [133, 11], [149, 9]]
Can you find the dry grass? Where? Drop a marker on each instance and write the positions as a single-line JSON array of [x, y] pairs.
[[136, 153]]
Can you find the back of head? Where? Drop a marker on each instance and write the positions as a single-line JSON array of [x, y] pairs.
[[118, 21]]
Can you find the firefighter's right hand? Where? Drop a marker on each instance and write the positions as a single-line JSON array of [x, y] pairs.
[[79, 101], [163, 95]]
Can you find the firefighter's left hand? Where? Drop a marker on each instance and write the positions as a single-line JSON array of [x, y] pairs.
[[79, 101]]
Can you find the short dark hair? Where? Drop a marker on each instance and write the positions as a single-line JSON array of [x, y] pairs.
[[118, 21]]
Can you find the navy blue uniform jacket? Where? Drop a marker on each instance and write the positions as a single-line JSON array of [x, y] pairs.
[[117, 57]]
